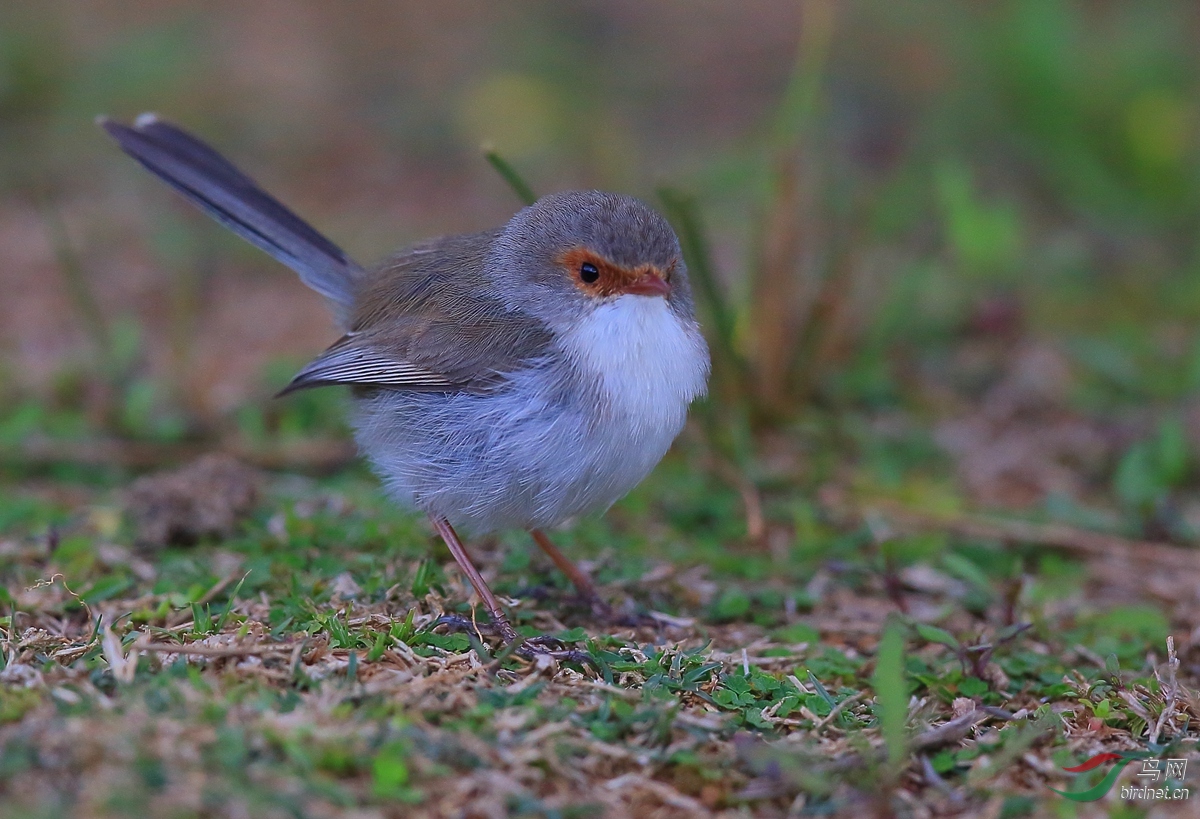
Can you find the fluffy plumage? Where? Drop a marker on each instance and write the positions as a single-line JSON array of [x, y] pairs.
[[567, 434], [493, 387]]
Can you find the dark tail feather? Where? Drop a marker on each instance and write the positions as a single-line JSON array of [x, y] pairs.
[[226, 194]]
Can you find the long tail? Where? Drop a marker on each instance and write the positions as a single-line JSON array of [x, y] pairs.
[[226, 194]]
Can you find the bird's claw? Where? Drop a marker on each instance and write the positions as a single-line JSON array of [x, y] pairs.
[[535, 647], [458, 623], [529, 648]]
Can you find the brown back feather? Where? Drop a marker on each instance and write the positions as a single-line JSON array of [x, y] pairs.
[[425, 320]]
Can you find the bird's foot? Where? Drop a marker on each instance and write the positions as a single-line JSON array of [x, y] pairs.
[[467, 625], [544, 645], [529, 648]]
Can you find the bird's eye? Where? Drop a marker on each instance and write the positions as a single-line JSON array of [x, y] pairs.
[[588, 272]]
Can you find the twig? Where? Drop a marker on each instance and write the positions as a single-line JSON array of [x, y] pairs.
[[59, 576], [1170, 689], [623, 693], [756, 522], [837, 709], [217, 651], [662, 790], [1058, 535], [40, 452], [183, 615], [952, 731]]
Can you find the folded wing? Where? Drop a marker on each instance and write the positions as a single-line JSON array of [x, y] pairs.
[[428, 320]]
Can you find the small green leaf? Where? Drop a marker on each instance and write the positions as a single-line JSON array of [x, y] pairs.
[[943, 762], [818, 705], [972, 687], [733, 604], [456, 643], [967, 570], [1112, 666], [382, 641], [694, 676], [737, 683], [389, 771], [787, 705], [821, 691], [403, 632], [421, 580], [201, 620], [933, 634], [797, 633]]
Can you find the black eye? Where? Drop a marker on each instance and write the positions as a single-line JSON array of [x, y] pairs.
[[588, 272]]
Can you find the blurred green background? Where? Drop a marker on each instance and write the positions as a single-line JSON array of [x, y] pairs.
[[967, 229]]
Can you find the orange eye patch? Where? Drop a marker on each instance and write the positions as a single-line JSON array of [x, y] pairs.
[[598, 277]]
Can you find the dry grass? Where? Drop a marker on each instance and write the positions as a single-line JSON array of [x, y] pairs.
[[133, 706]]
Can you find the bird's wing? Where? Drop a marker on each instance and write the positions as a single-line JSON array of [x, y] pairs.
[[427, 320], [350, 361]]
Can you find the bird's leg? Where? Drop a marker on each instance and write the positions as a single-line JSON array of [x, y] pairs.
[[578, 577], [530, 648], [499, 620]]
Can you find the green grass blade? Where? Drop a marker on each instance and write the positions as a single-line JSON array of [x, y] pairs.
[[683, 213], [891, 696], [509, 174]]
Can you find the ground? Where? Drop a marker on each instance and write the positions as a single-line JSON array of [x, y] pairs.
[[285, 666]]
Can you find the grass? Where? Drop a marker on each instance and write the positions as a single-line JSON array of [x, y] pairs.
[[289, 669]]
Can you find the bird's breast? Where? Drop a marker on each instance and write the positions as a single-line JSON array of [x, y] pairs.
[[648, 364]]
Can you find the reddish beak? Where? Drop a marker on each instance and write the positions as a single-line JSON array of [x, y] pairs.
[[648, 284]]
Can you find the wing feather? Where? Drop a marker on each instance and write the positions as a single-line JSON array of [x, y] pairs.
[[350, 362], [429, 320]]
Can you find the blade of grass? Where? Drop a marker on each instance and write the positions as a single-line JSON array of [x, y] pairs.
[[683, 213], [778, 305], [229, 608], [480, 650], [891, 698], [724, 418], [802, 95], [782, 286], [509, 174], [78, 287]]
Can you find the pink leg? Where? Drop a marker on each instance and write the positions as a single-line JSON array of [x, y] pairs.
[[578, 577], [464, 562]]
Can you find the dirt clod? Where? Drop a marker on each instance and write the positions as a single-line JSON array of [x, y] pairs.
[[205, 498]]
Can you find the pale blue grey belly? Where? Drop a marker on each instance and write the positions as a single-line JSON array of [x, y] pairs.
[[523, 456]]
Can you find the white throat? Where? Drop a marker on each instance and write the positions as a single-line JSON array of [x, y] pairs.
[[649, 362]]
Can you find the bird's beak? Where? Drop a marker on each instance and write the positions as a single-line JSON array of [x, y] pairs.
[[649, 283]]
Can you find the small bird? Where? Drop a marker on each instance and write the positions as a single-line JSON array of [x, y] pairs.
[[514, 378]]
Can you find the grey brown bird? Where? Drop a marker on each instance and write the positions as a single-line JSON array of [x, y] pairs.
[[518, 377]]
